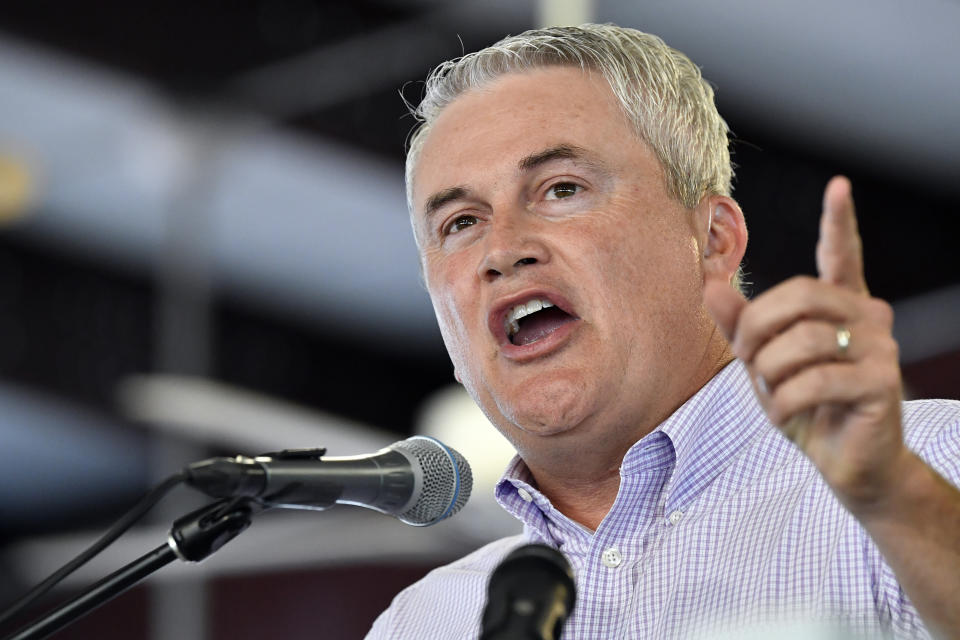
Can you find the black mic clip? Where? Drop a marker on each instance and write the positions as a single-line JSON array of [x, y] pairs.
[[296, 454], [200, 533]]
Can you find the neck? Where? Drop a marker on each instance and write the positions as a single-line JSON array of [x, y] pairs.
[[582, 482], [584, 499]]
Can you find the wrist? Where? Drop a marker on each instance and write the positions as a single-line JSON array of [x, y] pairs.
[[905, 485]]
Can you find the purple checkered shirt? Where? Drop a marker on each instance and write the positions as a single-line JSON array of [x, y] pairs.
[[720, 524]]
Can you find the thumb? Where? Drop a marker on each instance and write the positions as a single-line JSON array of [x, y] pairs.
[[725, 305], [839, 249]]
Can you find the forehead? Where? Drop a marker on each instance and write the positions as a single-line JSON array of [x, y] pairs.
[[486, 130]]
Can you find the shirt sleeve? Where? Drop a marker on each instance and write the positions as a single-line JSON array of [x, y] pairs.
[[383, 624], [932, 430]]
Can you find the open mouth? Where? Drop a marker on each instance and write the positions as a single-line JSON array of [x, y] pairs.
[[533, 320]]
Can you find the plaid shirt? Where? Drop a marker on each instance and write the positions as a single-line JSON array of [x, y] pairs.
[[720, 524]]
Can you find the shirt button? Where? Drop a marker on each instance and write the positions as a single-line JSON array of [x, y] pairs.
[[611, 558], [675, 517], [525, 495]]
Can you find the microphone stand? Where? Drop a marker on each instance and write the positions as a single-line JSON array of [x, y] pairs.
[[192, 538]]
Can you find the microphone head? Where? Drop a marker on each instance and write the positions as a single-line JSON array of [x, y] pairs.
[[530, 595], [446, 480]]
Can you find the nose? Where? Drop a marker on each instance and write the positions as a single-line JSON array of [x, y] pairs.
[[511, 242]]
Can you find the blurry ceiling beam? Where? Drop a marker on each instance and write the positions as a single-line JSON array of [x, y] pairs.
[[334, 74], [331, 75], [240, 421]]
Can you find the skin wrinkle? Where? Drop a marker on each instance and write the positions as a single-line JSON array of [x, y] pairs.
[[442, 198]]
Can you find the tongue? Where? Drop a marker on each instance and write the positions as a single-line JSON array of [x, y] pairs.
[[540, 324]]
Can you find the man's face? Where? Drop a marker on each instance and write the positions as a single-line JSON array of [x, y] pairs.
[[536, 188]]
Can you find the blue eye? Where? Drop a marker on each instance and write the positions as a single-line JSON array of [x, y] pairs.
[[460, 223], [563, 190]]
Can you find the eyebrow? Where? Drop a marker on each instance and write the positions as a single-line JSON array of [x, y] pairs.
[[533, 161], [559, 152], [439, 199]]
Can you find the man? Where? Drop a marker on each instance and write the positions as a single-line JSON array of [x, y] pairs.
[[570, 197]]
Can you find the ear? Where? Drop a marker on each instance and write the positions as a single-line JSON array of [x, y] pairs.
[[722, 235]]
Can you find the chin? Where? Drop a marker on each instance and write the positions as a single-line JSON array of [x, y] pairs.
[[548, 407]]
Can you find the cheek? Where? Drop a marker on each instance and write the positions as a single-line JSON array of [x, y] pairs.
[[452, 305], [451, 323], [647, 266]]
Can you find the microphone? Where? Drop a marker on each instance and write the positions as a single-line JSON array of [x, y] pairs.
[[419, 480], [530, 596]]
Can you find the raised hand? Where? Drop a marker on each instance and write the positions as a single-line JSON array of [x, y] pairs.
[[823, 360]]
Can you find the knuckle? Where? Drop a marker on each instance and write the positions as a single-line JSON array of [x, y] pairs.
[[883, 376], [800, 287], [806, 287], [878, 345], [881, 312], [891, 349], [804, 280]]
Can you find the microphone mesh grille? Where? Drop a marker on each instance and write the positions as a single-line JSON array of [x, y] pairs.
[[447, 481]]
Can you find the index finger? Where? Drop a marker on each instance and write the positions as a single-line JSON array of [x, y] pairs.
[[839, 249]]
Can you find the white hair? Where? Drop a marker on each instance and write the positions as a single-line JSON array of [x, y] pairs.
[[660, 90]]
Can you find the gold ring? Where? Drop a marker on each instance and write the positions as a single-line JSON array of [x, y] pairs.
[[843, 341]]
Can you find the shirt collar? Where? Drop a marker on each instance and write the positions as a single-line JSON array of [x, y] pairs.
[[699, 439], [708, 430], [517, 494]]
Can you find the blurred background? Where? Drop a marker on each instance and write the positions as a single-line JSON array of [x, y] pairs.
[[204, 250]]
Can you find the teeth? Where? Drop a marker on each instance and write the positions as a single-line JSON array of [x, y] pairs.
[[511, 323]]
